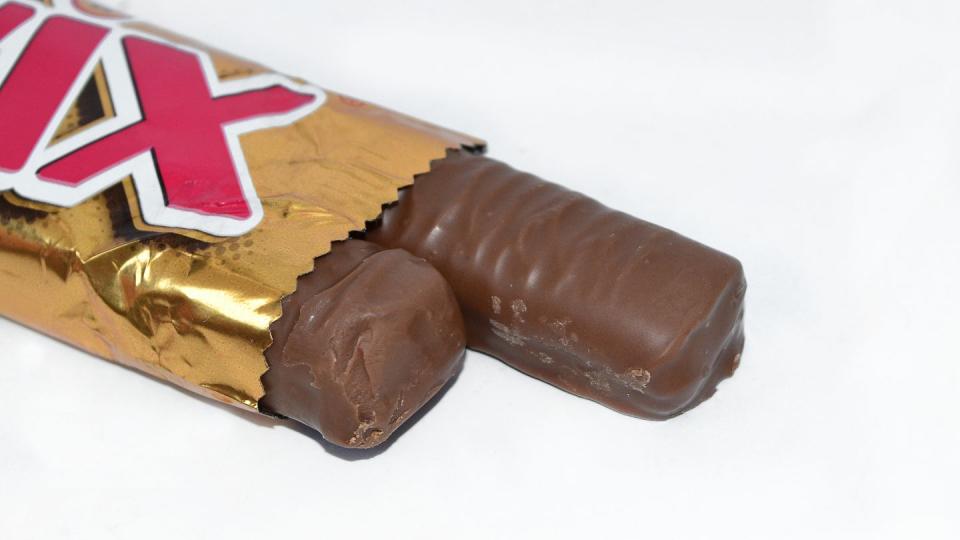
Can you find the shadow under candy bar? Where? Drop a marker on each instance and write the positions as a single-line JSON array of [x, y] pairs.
[[592, 300]]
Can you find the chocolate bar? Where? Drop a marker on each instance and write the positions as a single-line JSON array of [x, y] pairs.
[[366, 340], [172, 208], [594, 301]]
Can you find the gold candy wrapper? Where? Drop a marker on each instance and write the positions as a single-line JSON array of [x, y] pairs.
[[180, 303]]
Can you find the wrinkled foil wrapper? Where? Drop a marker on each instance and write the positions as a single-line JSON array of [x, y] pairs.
[[197, 310]]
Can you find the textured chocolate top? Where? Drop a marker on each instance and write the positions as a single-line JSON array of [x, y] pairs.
[[365, 341], [595, 301]]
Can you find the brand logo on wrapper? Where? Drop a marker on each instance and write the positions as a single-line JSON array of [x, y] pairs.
[[175, 127]]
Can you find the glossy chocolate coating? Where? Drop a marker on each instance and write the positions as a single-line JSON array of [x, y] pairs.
[[594, 301], [365, 341]]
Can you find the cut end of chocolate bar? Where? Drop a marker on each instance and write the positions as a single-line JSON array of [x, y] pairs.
[[367, 339]]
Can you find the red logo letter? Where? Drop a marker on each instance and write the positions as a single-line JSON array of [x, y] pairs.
[[42, 76], [176, 126], [183, 127]]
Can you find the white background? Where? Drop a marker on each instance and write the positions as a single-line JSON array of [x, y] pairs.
[[817, 141]]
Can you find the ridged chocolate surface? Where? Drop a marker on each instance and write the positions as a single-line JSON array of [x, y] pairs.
[[594, 301], [366, 340]]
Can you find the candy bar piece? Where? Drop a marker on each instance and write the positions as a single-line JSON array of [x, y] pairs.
[[592, 300], [365, 341]]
